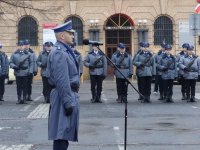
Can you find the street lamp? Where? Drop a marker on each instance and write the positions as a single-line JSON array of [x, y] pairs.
[[94, 23]]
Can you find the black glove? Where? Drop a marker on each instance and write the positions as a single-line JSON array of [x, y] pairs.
[[68, 111], [43, 66], [141, 65], [186, 69], [164, 69], [80, 74], [29, 74], [103, 77], [91, 67], [35, 73], [15, 67], [130, 76], [6, 76]]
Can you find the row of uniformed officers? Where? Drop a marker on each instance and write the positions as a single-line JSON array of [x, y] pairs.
[[164, 66]]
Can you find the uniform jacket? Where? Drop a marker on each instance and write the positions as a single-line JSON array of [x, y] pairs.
[[157, 60], [63, 72], [102, 64], [79, 60], [124, 64], [4, 65], [170, 63], [42, 62], [24, 61], [35, 67], [195, 68], [149, 68], [178, 58]]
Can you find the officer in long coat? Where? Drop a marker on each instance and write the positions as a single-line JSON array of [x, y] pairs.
[[180, 71], [35, 69], [144, 62], [168, 67], [190, 64], [123, 62], [97, 64], [4, 67], [22, 63], [138, 78], [158, 78], [78, 58], [42, 63], [63, 74]]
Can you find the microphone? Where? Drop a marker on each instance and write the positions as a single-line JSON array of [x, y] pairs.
[[87, 42]]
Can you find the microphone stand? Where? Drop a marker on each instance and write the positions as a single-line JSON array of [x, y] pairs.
[[128, 82]]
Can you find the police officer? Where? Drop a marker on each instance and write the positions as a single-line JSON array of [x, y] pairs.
[[22, 63], [168, 67], [63, 73], [97, 64], [78, 58], [138, 78], [35, 69], [4, 67], [180, 71], [190, 64], [123, 62], [158, 78], [144, 62], [42, 63], [113, 56]]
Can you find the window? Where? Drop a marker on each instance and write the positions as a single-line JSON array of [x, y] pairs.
[[28, 29], [78, 26], [163, 30]]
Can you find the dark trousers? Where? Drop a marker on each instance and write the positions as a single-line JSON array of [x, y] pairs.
[[122, 87], [190, 87], [146, 85], [60, 145], [29, 84], [156, 83], [46, 87], [139, 84], [117, 88], [2, 86], [183, 85], [96, 84], [160, 84], [168, 87], [21, 85]]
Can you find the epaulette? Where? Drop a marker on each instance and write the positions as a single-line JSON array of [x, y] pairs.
[[76, 52], [57, 47], [25, 52], [141, 53], [91, 52]]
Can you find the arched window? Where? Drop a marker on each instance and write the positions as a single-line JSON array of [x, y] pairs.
[[28, 29], [163, 30], [78, 26]]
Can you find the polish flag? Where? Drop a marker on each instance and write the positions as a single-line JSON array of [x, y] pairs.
[[197, 8]]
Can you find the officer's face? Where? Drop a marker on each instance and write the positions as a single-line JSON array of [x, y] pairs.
[[168, 52], [21, 47], [146, 48], [190, 52], [48, 48], [27, 46], [94, 48], [68, 37], [122, 50]]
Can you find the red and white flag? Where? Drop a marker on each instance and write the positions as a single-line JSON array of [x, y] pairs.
[[197, 8]]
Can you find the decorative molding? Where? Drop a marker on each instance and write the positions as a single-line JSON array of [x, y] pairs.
[[73, 7], [163, 6], [118, 6]]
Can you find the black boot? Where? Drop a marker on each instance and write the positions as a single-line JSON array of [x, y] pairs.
[[161, 97], [1, 98], [148, 99], [192, 99], [119, 99], [48, 99], [19, 101], [188, 98], [124, 99], [183, 96], [98, 99], [29, 98], [93, 100], [140, 98]]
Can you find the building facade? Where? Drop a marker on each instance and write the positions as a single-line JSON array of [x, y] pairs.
[[108, 21]]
